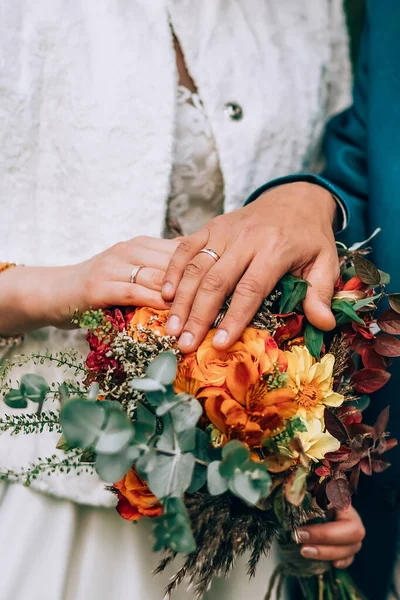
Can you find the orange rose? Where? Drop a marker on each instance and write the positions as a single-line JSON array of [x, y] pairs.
[[149, 318], [256, 352], [262, 414], [135, 500]]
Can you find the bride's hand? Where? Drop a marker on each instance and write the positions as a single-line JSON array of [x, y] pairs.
[[338, 541], [287, 229], [37, 296]]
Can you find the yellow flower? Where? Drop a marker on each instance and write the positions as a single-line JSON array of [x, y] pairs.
[[316, 443], [312, 382]]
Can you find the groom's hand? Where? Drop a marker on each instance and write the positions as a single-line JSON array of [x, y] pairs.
[[338, 541], [286, 230]]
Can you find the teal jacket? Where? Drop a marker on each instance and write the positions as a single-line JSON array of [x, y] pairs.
[[362, 150]]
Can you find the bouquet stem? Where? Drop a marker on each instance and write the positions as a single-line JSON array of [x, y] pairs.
[[317, 580]]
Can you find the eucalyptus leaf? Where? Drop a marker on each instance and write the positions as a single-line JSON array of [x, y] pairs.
[[112, 467], [234, 454], [217, 484], [82, 422], [146, 384], [314, 339], [171, 475], [163, 368], [147, 462], [172, 530], [186, 414], [34, 387], [15, 399], [251, 485], [116, 433], [145, 424]]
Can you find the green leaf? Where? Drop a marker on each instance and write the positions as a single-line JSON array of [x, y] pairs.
[[294, 290], [217, 484], [15, 399], [314, 339], [342, 306], [252, 484], [385, 277], [145, 384], [200, 452], [171, 475], [366, 271], [34, 387], [111, 467], [116, 433], [361, 403], [287, 284], [82, 422], [163, 368], [234, 454], [172, 530], [186, 413], [365, 302], [145, 424]]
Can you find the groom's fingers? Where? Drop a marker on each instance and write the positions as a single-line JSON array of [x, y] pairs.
[[322, 277]]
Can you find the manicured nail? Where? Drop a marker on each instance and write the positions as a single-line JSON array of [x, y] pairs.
[[220, 337], [173, 323], [186, 339], [303, 536], [340, 564], [309, 552], [167, 288]]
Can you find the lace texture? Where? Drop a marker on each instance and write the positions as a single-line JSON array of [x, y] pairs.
[[197, 187]]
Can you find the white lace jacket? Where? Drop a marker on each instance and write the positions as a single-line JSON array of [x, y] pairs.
[[87, 122]]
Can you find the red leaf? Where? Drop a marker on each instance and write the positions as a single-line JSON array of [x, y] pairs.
[[367, 381], [292, 327], [382, 423], [386, 444], [371, 359], [335, 426], [389, 322], [387, 345], [378, 466], [351, 462], [339, 456], [366, 466], [338, 492], [354, 477], [323, 471]]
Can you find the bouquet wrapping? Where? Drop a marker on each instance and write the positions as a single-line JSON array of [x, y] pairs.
[[228, 451]]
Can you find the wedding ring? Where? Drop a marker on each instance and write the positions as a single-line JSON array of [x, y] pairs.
[[211, 253], [135, 273]]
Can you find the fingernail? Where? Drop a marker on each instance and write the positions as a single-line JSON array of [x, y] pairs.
[[309, 552], [173, 323], [167, 288], [340, 564], [186, 339], [221, 337], [303, 536]]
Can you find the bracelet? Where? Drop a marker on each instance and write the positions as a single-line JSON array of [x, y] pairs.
[[11, 340]]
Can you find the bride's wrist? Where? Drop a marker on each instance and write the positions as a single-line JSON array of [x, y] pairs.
[[41, 294]]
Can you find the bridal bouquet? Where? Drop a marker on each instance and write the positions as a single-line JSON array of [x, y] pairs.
[[228, 451]]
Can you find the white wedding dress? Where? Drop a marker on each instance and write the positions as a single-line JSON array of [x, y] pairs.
[[53, 549]]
